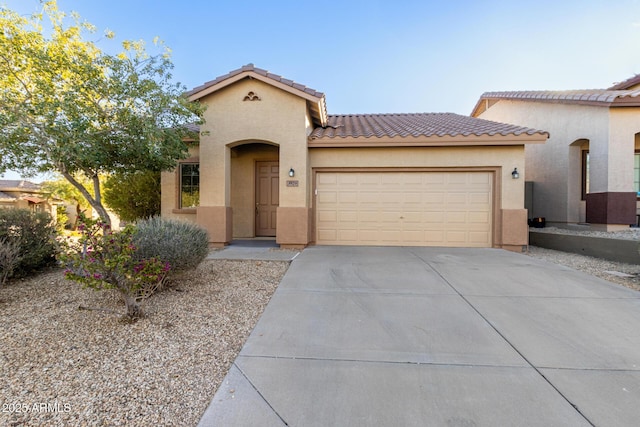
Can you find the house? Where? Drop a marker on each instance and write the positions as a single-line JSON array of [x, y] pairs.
[[589, 170], [271, 162], [21, 194]]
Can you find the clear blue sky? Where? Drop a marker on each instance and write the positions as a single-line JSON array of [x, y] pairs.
[[375, 56]]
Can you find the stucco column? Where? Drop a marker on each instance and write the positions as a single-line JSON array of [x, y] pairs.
[[214, 213], [611, 202], [293, 215]]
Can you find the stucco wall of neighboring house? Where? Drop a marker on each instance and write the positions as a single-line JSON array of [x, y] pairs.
[[556, 167], [623, 138]]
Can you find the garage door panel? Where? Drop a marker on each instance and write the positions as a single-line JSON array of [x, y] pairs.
[[479, 218], [404, 208], [456, 237], [457, 218], [326, 179], [328, 217], [390, 217], [457, 178], [478, 237], [346, 217], [327, 234], [344, 179], [479, 178], [479, 198], [327, 197], [435, 236], [434, 197]]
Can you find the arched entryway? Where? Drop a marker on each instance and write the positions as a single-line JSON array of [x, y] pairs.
[[254, 188], [577, 180]]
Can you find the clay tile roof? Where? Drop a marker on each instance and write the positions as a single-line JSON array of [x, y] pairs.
[[627, 84], [260, 71], [6, 184], [592, 95], [33, 199], [192, 127], [7, 197], [596, 97], [414, 125]]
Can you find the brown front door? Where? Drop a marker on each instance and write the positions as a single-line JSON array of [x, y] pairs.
[[267, 198]]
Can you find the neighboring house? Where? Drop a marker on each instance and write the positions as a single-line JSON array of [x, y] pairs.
[[589, 170], [21, 194], [271, 162]]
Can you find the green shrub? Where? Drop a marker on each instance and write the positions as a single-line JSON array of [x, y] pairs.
[[181, 244], [35, 233], [9, 259]]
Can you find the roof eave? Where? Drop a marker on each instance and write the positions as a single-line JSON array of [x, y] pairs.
[[430, 141], [623, 100]]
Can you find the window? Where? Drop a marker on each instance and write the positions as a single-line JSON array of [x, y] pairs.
[[636, 173], [585, 174], [189, 185]]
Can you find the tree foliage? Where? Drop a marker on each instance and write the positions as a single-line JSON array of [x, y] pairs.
[[133, 196], [69, 107]]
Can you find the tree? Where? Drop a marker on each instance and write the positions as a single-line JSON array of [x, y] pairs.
[[60, 188], [69, 107], [133, 195]]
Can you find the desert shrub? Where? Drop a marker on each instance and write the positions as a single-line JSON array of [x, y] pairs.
[[35, 233], [9, 259], [133, 195], [103, 259], [181, 244]]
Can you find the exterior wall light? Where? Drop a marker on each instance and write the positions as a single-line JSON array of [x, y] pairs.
[[292, 173], [515, 174]]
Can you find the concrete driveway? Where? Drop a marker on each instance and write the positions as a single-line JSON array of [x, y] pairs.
[[371, 336]]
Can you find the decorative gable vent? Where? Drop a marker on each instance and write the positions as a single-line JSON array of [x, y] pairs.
[[251, 96]]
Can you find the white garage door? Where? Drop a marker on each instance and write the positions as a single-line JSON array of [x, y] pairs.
[[404, 208]]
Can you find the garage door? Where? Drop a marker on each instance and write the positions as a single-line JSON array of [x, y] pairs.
[[404, 208]]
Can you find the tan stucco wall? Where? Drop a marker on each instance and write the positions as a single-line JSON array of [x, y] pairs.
[[275, 127], [624, 127], [278, 118], [555, 167], [169, 182]]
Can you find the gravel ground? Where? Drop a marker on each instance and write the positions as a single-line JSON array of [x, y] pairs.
[[61, 365], [594, 266], [626, 234]]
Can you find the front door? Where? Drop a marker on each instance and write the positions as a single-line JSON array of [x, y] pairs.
[[267, 198]]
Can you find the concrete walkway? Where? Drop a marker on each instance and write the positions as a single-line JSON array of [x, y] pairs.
[[254, 249], [359, 336]]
